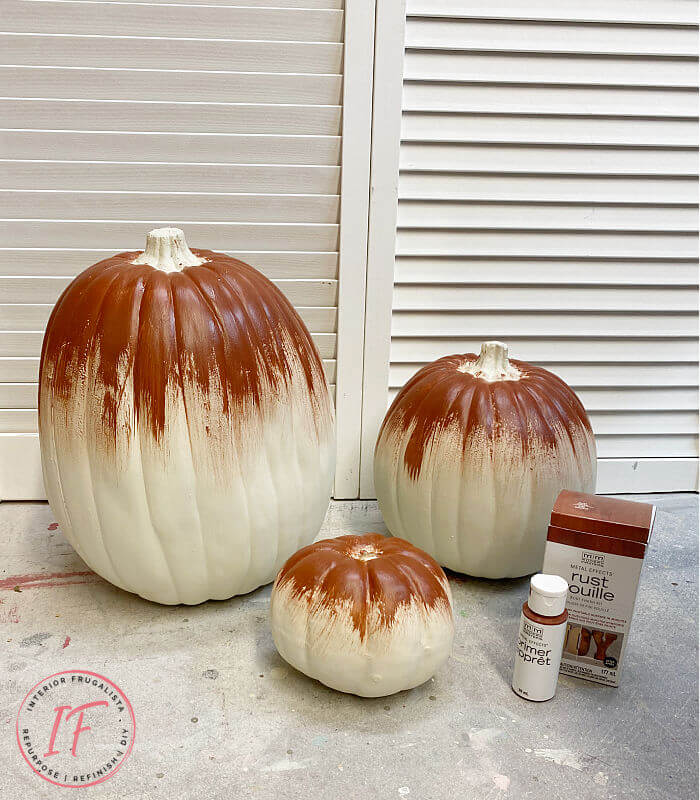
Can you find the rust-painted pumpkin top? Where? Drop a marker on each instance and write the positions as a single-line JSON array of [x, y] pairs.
[[365, 574], [169, 317], [489, 395]]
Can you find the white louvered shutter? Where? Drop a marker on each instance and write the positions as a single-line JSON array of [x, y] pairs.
[[547, 197], [222, 117]]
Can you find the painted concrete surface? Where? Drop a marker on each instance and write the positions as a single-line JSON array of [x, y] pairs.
[[220, 715]]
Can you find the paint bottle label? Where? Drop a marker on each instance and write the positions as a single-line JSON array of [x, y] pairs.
[[537, 659]]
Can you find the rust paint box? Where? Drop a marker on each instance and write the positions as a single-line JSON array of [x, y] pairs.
[[597, 544]]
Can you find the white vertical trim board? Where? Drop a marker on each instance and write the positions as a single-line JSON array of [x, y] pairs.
[[357, 124], [386, 137], [548, 197], [247, 123]]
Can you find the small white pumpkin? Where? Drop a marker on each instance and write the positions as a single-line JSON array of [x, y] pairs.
[[367, 615]]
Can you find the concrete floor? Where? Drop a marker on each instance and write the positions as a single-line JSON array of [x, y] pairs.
[[220, 715]]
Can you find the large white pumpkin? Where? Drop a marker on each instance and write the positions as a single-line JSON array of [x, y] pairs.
[[471, 456], [368, 615], [186, 428]]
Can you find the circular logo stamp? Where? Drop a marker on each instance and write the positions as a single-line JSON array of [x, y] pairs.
[[75, 728]]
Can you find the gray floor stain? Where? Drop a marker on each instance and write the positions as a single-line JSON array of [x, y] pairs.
[[35, 640]]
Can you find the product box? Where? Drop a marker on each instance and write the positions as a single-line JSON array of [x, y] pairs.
[[597, 544]]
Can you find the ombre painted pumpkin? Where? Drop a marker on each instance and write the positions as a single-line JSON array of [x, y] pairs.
[[367, 615], [186, 427], [471, 456]]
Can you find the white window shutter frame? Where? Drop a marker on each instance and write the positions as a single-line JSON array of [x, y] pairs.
[[547, 196], [256, 144]]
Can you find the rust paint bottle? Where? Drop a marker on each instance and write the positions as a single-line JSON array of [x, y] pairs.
[[541, 638]]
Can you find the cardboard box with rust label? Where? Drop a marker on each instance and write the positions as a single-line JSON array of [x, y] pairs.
[[597, 544]]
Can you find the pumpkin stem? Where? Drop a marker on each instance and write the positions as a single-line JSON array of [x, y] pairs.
[[493, 364], [166, 249]]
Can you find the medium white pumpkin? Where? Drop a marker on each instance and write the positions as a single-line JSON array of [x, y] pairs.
[[367, 615], [471, 456], [186, 428]]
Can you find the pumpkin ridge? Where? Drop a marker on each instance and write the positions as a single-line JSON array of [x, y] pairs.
[[465, 415], [331, 599], [512, 421], [299, 485], [310, 363], [419, 557], [49, 366], [485, 421], [252, 386], [178, 361], [564, 409], [429, 598], [464, 395], [59, 328], [87, 277], [421, 435], [154, 364], [386, 598], [73, 352], [301, 554], [141, 432], [545, 432], [113, 347], [303, 346], [310, 581], [313, 595], [568, 397], [462, 463], [93, 353], [132, 356], [419, 599], [528, 476], [544, 400], [219, 366], [223, 339], [520, 415], [363, 614], [173, 370], [573, 401]]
